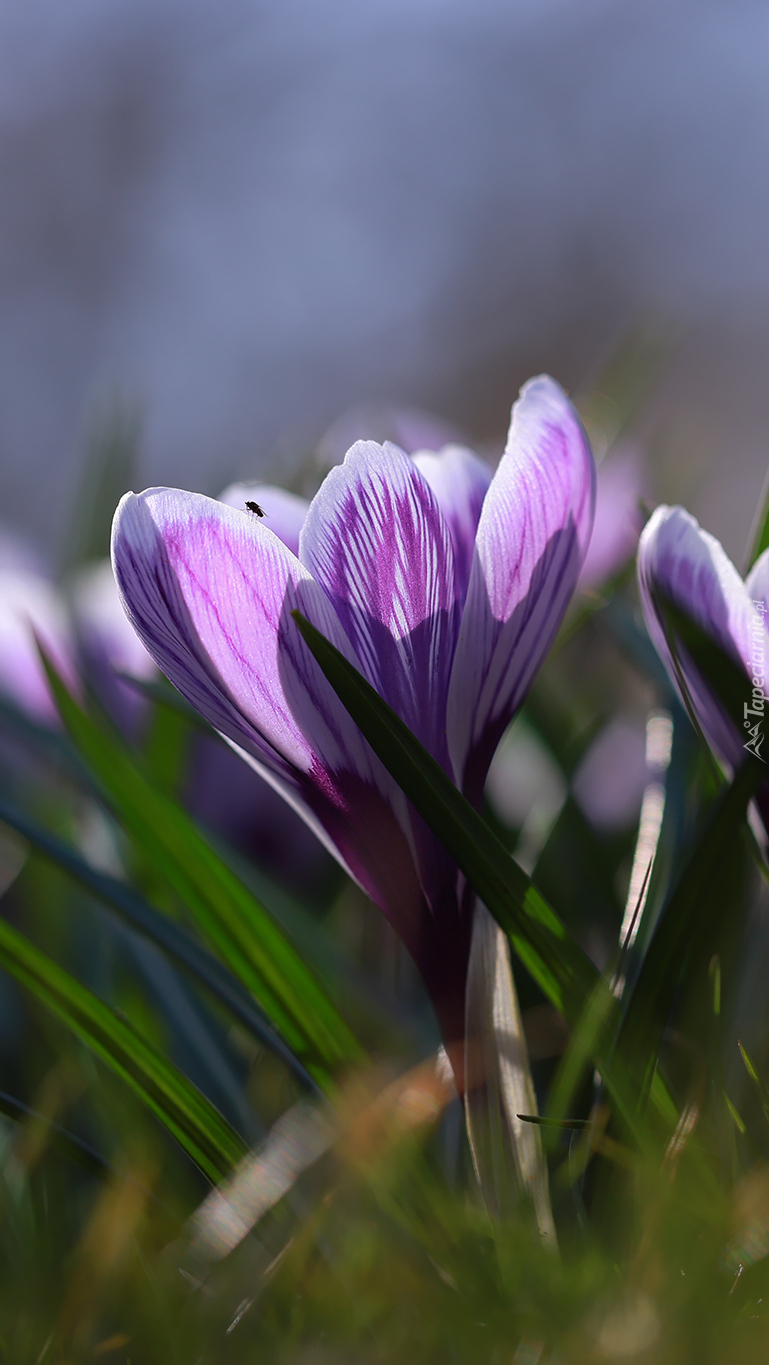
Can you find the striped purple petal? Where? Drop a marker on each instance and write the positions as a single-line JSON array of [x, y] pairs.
[[677, 557], [285, 512], [460, 480], [209, 590], [376, 541], [532, 536]]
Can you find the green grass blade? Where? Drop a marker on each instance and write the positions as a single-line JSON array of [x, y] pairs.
[[233, 921], [161, 930], [687, 922], [540, 939], [197, 1126], [757, 1079]]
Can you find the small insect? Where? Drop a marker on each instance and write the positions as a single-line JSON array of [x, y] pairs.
[[254, 507]]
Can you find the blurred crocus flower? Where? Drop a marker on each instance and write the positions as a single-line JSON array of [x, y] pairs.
[[686, 564], [443, 586], [620, 485], [30, 609], [612, 776]]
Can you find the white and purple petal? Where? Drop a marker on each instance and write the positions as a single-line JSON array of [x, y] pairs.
[[677, 558], [532, 537], [209, 589], [377, 543], [460, 480]]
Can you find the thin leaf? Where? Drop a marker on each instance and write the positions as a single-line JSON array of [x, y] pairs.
[[758, 1081], [539, 937], [699, 899], [507, 1153], [162, 931], [197, 1126], [230, 917]]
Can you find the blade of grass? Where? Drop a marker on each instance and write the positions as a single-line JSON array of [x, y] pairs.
[[688, 919], [197, 1126], [757, 1079], [168, 935], [230, 917]]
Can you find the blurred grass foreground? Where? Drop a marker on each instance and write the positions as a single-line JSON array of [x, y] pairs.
[[522, 1116]]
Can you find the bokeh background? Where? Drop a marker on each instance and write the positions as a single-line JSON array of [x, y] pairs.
[[239, 219]]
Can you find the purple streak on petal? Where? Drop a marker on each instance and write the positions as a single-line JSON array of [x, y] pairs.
[[208, 589], [30, 607], [618, 517], [677, 557], [375, 540], [285, 512], [532, 536], [460, 480]]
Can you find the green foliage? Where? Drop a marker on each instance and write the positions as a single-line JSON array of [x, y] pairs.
[[187, 1114], [234, 922], [169, 989]]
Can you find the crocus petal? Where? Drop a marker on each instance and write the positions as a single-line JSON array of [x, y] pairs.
[[460, 480], [678, 558], [376, 541], [285, 511], [209, 589], [532, 536]]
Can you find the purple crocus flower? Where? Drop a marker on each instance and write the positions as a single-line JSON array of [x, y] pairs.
[[678, 558], [443, 585]]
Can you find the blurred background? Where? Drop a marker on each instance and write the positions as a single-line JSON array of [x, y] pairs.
[[235, 220]]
